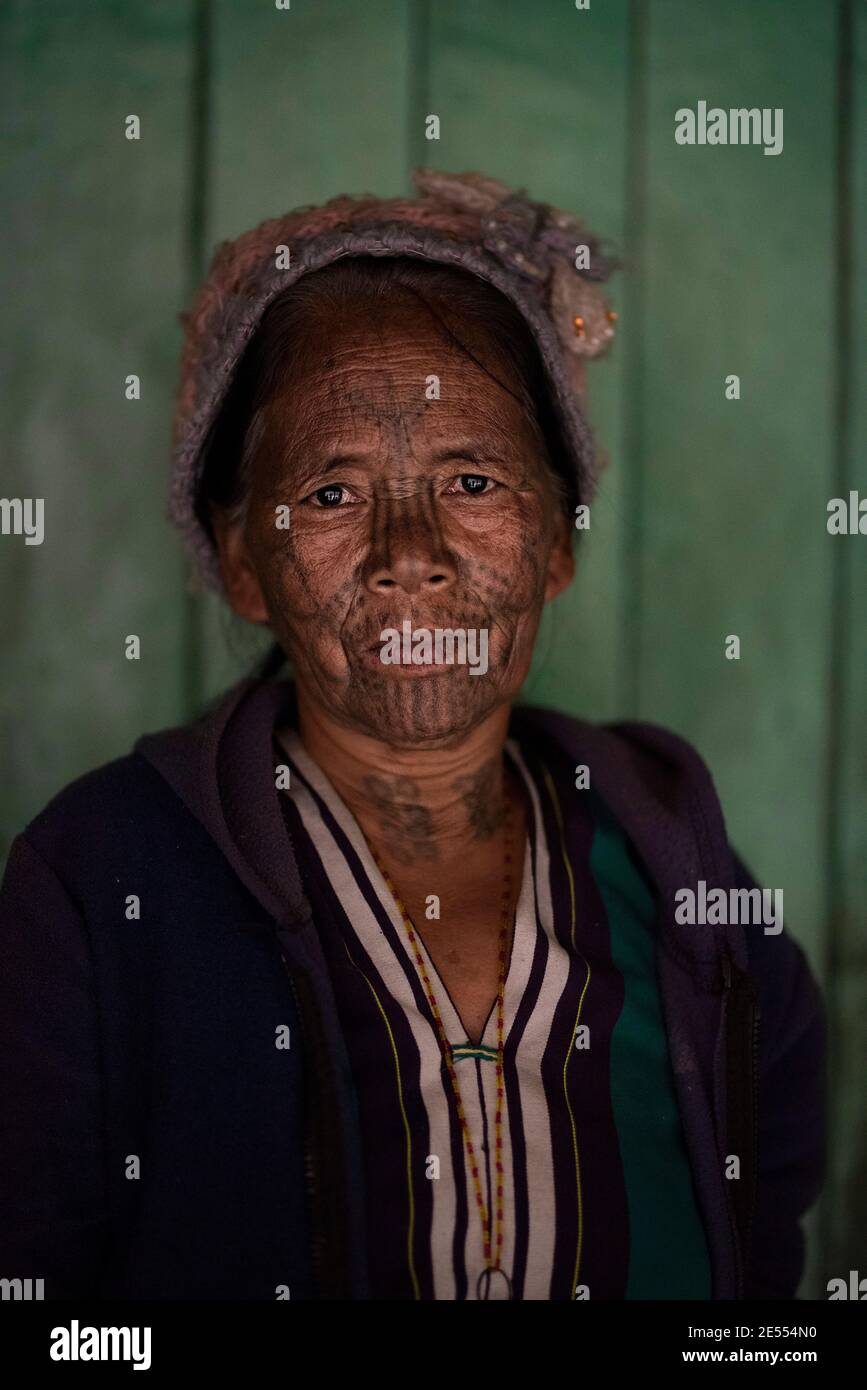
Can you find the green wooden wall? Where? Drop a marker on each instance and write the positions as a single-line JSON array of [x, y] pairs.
[[711, 518]]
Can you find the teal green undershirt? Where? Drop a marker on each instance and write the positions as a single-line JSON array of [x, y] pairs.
[[668, 1255]]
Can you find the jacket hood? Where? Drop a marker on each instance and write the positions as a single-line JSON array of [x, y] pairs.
[[653, 782]]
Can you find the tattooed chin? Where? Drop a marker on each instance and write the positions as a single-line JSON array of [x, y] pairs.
[[398, 708]]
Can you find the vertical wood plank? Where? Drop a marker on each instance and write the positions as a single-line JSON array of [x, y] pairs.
[[93, 273], [739, 279], [536, 95], [739, 272], [847, 866]]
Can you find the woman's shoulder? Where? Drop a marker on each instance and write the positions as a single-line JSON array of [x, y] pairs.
[[634, 758], [661, 794], [103, 822], [146, 788]]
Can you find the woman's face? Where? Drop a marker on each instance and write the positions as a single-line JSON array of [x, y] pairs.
[[439, 513]]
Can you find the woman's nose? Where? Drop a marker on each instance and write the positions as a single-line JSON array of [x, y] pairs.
[[407, 549], [414, 571]]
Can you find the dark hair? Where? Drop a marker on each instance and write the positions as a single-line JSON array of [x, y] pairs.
[[454, 297]]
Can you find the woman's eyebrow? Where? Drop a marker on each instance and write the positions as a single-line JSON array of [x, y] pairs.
[[470, 454], [327, 465], [310, 465], [451, 453]]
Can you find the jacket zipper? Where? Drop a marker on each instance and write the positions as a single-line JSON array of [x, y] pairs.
[[742, 987], [756, 1014], [727, 1010], [309, 1167]]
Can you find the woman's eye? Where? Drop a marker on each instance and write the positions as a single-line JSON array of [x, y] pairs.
[[473, 484], [329, 496]]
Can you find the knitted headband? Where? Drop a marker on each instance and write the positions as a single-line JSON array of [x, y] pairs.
[[539, 257]]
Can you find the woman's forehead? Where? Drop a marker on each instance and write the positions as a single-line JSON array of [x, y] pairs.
[[405, 403], [396, 338], [402, 370]]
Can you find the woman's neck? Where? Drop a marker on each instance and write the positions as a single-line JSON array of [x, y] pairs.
[[416, 805]]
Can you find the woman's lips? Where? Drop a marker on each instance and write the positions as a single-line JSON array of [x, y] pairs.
[[372, 656]]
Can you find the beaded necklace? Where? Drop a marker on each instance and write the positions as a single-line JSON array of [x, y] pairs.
[[492, 1241]]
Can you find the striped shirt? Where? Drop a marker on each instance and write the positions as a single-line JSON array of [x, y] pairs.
[[598, 1197]]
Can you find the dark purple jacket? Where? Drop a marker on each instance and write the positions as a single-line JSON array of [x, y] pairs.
[[152, 1038]]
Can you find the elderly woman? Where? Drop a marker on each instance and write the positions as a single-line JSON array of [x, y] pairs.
[[371, 983]]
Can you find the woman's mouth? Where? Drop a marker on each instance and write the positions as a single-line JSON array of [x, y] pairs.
[[428, 650]]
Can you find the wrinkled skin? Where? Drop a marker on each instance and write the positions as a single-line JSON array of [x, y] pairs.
[[407, 540]]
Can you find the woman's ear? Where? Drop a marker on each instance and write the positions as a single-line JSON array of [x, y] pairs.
[[561, 561], [240, 580]]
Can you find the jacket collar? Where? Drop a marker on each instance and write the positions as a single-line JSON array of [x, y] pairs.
[[660, 791], [223, 768]]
